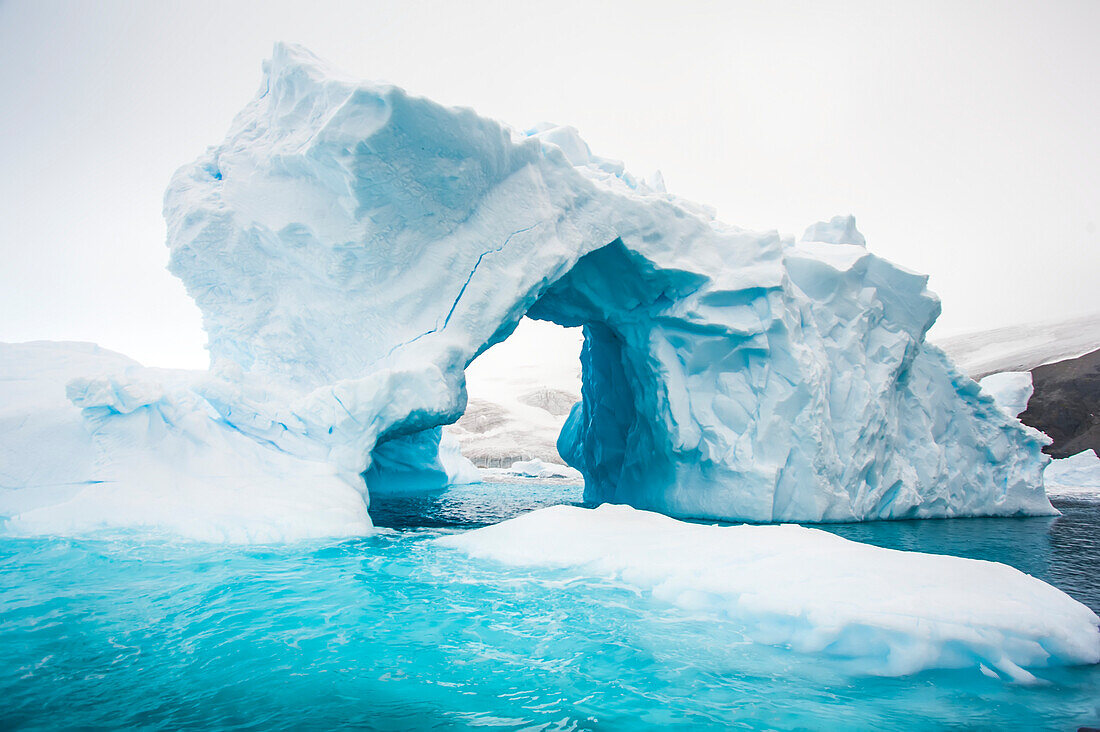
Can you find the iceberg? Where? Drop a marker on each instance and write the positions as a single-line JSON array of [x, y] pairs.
[[354, 248], [884, 612], [536, 469], [360, 247], [1076, 475]]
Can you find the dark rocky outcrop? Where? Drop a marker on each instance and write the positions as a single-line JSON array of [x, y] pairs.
[[1066, 404]]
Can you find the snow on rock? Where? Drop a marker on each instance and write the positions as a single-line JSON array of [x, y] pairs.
[[1010, 389], [1023, 347], [1075, 475], [790, 585], [90, 441], [354, 248], [1066, 404]]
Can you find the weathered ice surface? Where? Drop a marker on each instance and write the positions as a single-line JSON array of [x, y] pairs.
[[353, 249], [1066, 404], [91, 442], [884, 611]]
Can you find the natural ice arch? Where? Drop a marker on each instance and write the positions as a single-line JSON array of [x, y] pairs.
[[354, 248], [520, 393], [614, 435]]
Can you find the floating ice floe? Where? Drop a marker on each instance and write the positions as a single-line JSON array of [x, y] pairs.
[[536, 469], [884, 611], [1075, 475]]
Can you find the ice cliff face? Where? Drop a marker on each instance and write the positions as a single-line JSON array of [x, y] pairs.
[[353, 248]]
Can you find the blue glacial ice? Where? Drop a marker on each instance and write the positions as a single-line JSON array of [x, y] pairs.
[[354, 248]]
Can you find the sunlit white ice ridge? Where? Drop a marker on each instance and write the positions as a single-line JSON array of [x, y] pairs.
[[887, 612]]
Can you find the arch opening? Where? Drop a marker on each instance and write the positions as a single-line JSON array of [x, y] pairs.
[[519, 393], [604, 414]]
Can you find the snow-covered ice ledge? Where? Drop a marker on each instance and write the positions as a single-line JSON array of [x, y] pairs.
[[90, 441], [886, 612]]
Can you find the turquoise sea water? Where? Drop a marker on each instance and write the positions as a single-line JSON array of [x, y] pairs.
[[390, 632]]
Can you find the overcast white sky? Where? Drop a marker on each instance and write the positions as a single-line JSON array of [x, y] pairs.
[[962, 135]]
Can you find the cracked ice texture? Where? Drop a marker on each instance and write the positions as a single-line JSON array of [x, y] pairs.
[[353, 248]]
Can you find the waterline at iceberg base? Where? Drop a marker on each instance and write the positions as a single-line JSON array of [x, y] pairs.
[[393, 631], [353, 249]]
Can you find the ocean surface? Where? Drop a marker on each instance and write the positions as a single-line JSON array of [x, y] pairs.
[[391, 632]]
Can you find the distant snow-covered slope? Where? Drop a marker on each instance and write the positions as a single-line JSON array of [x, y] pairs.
[[520, 392], [1023, 347], [1044, 373]]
